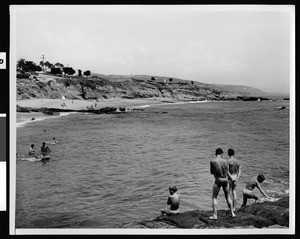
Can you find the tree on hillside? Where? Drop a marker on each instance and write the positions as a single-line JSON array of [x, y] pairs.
[[79, 72], [152, 78], [170, 79], [192, 82], [58, 64], [42, 64], [69, 70], [31, 66], [21, 64], [48, 65], [56, 71], [87, 73]]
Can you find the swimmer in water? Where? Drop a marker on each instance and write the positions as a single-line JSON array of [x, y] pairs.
[[31, 150], [173, 201], [45, 150], [219, 168], [248, 190]]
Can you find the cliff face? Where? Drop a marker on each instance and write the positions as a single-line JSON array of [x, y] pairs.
[[97, 87]]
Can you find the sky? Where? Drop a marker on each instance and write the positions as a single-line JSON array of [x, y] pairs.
[[248, 46]]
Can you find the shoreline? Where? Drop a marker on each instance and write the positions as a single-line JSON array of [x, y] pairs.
[[85, 104]]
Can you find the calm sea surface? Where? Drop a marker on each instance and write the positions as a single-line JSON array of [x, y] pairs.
[[116, 168]]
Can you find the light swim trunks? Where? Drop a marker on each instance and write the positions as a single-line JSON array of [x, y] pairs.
[[249, 194], [173, 211]]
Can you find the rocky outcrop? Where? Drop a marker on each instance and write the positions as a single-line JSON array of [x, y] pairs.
[[251, 98], [258, 215]]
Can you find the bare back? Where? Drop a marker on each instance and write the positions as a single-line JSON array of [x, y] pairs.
[[174, 201], [252, 184], [219, 168], [233, 165]]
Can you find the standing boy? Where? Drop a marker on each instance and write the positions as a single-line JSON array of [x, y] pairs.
[[233, 176], [219, 168]]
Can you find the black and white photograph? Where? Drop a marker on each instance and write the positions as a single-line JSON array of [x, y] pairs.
[[152, 119]]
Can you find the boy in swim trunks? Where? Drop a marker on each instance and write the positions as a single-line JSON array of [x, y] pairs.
[[248, 190], [173, 201], [233, 176], [219, 168]]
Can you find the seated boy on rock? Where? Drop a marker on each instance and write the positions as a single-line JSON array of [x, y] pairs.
[[173, 201]]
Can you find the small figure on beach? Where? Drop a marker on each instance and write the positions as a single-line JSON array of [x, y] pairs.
[[45, 150], [53, 141], [173, 201], [32, 118], [31, 150], [219, 168], [250, 186], [234, 174]]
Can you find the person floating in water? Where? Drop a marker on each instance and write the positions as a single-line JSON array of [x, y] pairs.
[[248, 190], [53, 141], [45, 150], [234, 174], [31, 150], [173, 201], [219, 168]]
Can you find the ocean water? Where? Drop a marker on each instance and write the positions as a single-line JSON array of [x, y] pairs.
[[110, 169]]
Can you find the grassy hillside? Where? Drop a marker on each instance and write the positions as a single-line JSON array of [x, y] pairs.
[[100, 86]]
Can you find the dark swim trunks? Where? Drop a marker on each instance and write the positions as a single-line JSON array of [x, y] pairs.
[[221, 182]]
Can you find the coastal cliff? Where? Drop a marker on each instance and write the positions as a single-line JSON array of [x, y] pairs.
[[99, 87], [257, 215]]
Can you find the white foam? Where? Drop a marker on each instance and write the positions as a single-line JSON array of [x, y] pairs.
[[23, 123], [173, 103]]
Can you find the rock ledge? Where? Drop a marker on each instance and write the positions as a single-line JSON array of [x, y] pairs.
[[258, 215]]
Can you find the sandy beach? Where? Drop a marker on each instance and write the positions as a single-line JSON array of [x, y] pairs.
[[84, 104]]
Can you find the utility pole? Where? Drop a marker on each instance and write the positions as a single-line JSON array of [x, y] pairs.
[[43, 57]]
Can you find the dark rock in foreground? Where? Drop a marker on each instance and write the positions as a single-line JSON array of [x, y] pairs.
[[258, 215]]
